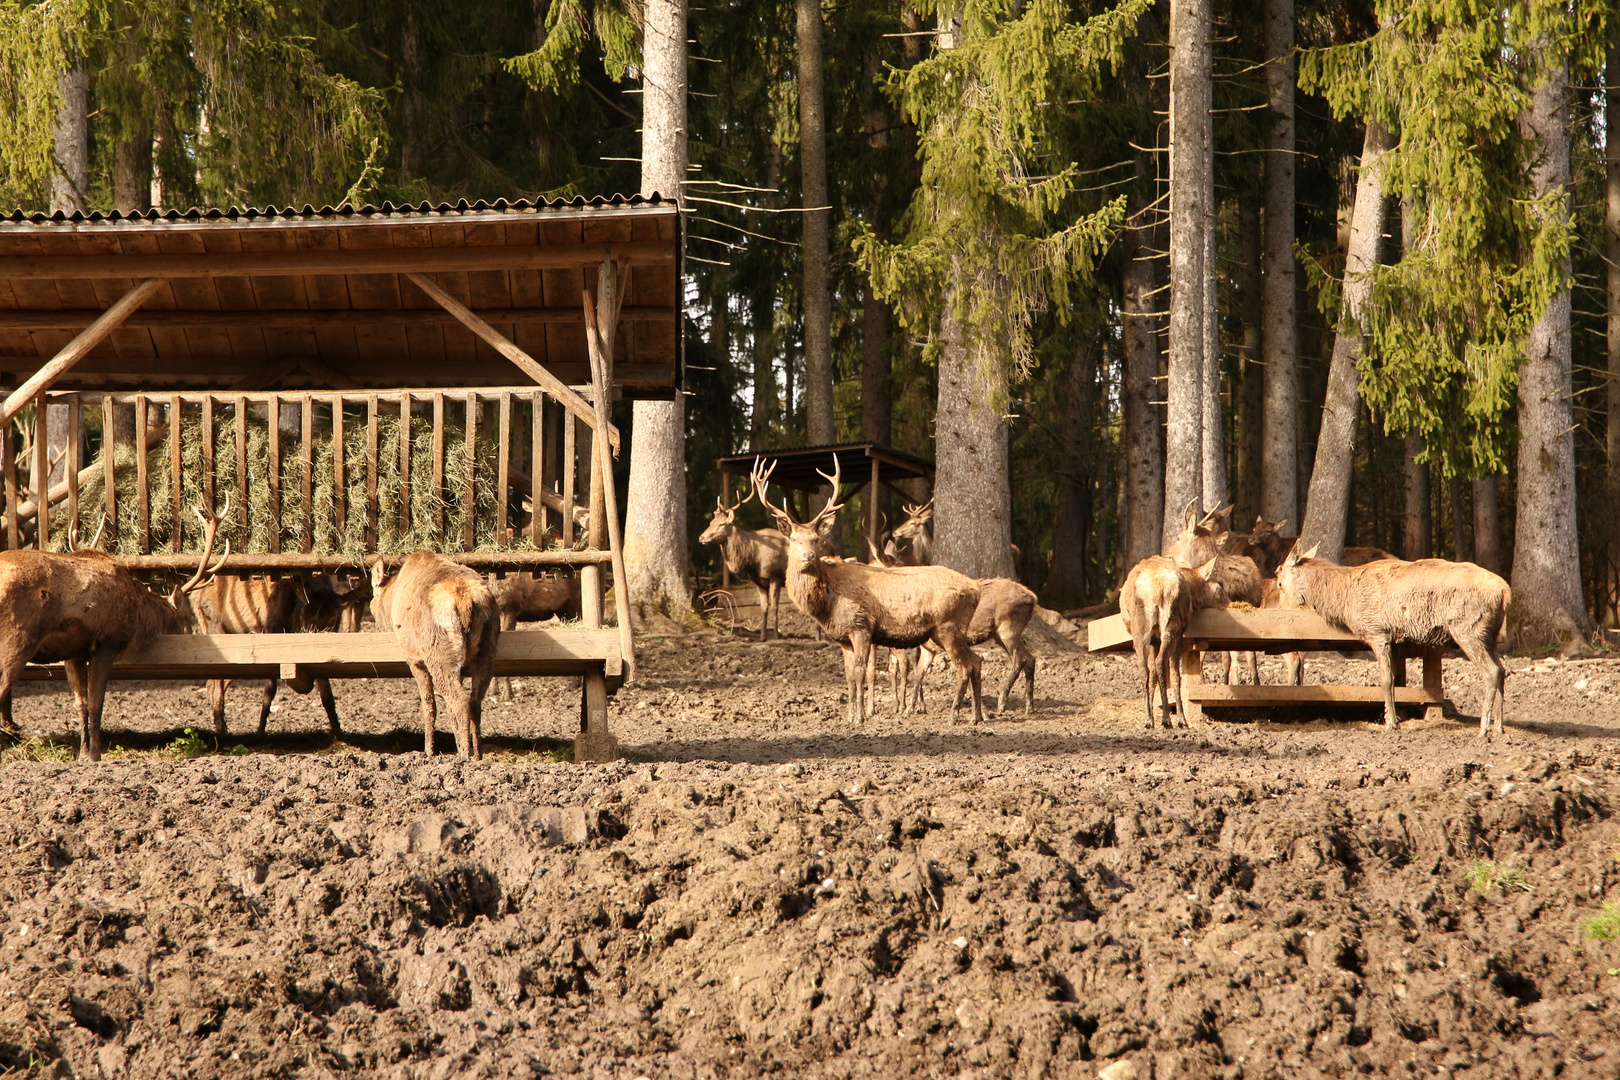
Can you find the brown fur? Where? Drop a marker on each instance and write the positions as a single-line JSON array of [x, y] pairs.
[[1005, 608], [760, 555], [1158, 600], [528, 598], [918, 528], [1361, 556], [1425, 602], [448, 625], [1266, 546]]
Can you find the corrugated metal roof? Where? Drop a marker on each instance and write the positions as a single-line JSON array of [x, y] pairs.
[[310, 213]]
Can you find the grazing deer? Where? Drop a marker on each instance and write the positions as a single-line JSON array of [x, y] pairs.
[[1205, 541], [1158, 600], [236, 605], [859, 606], [760, 555], [83, 609], [448, 625], [1004, 610], [528, 597], [1425, 602]]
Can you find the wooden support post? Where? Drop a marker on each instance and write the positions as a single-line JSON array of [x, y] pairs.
[[274, 432], [177, 495], [1435, 711], [75, 444], [306, 434], [243, 516], [872, 511], [371, 472], [8, 466], [600, 349], [438, 469], [469, 501], [143, 486], [594, 741], [537, 444], [109, 486], [725, 500], [41, 474], [1192, 674], [503, 474], [208, 453], [570, 467]]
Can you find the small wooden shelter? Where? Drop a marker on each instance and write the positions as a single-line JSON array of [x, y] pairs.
[[519, 319]]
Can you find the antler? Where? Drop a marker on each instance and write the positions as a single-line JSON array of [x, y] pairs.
[[914, 510], [73, 535], [210, 527], [758, 478], [833, 505]]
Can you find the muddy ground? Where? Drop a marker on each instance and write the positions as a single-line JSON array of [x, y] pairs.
[[760, 889]]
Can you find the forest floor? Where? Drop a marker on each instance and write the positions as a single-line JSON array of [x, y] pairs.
[[760, 888]]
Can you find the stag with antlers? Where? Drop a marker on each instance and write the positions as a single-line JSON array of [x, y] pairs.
[[859, 606], [83, 609], [760, 555]]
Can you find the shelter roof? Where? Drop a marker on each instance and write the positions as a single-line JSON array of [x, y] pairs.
[[797, 467], [321, 298]]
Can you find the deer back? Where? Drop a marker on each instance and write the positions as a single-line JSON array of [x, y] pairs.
[[437, 608], [526, 597], [234, 605], [1003, 602]]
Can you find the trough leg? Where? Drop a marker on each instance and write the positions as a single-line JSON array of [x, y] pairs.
[[594, 742], [264, 707], [1192, 673], [1435, 710]]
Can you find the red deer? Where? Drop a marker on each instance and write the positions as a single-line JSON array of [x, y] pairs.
[[901, 661], [1266, 545], [1158, 600], [919, 529], [1361, 556], [83, 609], [1204, 539], [859, 606], [235, 605], [1005, 608], [448, 625], [1424, 602], [760, 555], [528, 597]]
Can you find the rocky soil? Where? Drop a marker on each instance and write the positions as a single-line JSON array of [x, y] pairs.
[[760, 889]]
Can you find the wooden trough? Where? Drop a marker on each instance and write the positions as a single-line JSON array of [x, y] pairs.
[[208, 341]]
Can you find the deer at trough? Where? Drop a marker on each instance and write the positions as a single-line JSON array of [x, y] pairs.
[[448, 625], [760, 555], [1424, 602], [1207, 541], [530, 597], [859, 606], [255, 605], [1157, 601], [1266, 545], [83, 609]]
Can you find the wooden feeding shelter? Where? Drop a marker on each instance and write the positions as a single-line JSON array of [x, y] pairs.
[[356, 382], [800, 469]]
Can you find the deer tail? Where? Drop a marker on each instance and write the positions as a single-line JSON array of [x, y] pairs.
[[453, 609]]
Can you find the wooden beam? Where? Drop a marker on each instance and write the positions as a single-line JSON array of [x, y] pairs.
[[1218, 694], [286, 562], [530, 367], [76, 318], [75, 350], [333, 261], [604, 466], [1270, 629]]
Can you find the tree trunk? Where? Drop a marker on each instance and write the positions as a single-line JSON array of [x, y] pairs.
[[1250, 395], [655, 552], [1189, 221], [132, 172], [762, 316], [972, 502], [1459, 515], [1419, 532], [1142, 467], [1211, 424], [1547, 604], [818, 374], [1279, 495], [70, 178], [877, 409], [1068, 582], [1487, 526], [1611, 80], [1327, 506]]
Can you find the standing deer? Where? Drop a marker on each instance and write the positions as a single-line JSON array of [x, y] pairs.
[[1425, 602], [528, 597], [760, 555], [83, 609], [1004, 610], [859, 606], [919, 529], [448, 626], [1158, 600]]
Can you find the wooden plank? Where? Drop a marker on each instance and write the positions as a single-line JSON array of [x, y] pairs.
[[143, 493], [8, 467], [275, 474], [371, 472], [41, 473], [243, 517], [367, 655], [1218, 694], [208, 453], [1269, 630], [469, 502], [109, 479], [438, 469], [570, 461], [404, 464], [74, 319], [177, 495], [503, 463], [236, 563], [307, 452], [537, 431], [75, 426], [340, 489]]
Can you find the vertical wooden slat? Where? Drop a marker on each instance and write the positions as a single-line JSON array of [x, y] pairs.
[[243, 518], [340, 488], [42, 475], [306, 432], [8, 467], [109, 478], [469, 502], [275, 474], [438, 469], [537, 431], [208, 454], [177, 495], [75, 444], [503, 465], [143, 494], [371, 472], [404, 464], [568, 463]]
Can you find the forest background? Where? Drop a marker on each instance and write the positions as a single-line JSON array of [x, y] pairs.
[[883, 198]]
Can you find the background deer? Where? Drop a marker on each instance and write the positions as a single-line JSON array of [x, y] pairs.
[[918, 530], [1004, 610], [859, 606], [1425, 602], [529, 597], [760, 555], [1157, 601], [83, 609], [448, 625]]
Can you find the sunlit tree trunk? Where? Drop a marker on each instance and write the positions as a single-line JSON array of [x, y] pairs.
[[1611, 114], [1141, 244], [70, 177], [1487, 526], [1249, 394], [1279, 488], [818, 374]]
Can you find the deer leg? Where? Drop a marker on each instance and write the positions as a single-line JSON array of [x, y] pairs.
[[1294, 667], [1493, 680], [216, 703], [97, 672], [79, 683], [9, 674], [1254, 667], [852, 681], [764, 610], [269, 700], [424, 687], [1384, 654], [923, 657], [329, 703], [1026, 660], [967, 664], [447, 680], [475, 710]]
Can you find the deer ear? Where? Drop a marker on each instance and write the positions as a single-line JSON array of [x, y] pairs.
[[1220, 541], [1206, 570], [1311, 554], [377, 572], [1280, 524]]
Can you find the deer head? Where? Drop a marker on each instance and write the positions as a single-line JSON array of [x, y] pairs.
[[73, 535], [806, 540], [1264, 528], [724, 522], [180, 599], [1288, 578], [918, 518]]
